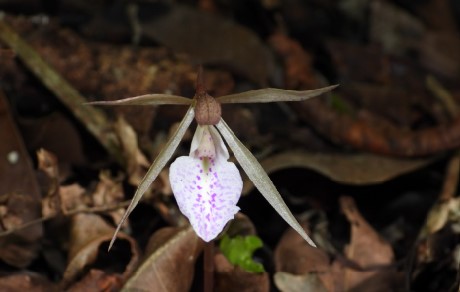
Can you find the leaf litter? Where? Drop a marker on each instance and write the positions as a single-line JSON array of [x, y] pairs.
[[394, 63]]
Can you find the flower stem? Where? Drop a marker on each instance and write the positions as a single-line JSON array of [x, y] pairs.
[[208, 266]]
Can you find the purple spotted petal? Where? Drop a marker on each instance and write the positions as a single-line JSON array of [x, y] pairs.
[[207, 192]]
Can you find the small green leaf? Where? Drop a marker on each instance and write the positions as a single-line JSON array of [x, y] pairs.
[[239, 250]]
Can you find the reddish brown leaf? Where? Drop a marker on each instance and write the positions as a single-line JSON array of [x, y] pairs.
[[97, 281], [19, 195]]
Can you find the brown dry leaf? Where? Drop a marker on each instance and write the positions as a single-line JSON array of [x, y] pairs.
[[210, 39], [293, 283], [366, 247], [88, 233], [358, 169], [293, 256], [97, 281], [108, 192], [170, 262], [73, 197], [21, 248], [137, 163], [26, 281], [48, 163], [19, 195], [55, 133], [229, 278]]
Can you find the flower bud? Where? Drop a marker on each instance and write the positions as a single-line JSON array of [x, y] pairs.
[[207, 109]]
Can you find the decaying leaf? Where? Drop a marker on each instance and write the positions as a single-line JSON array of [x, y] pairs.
[[73, 197], [97, 280], [356, 169], [366, 247], [287, 282], [88, 233], [20, 248], [294, 257], [48, 163], [135, 159], [26, 281], [169, 264], [19, 195]]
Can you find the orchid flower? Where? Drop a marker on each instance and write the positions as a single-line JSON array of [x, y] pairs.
[[205, 184]]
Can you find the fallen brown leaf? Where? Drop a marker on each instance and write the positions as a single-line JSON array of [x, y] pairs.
[[169, 264], [88, 233], [26, 281], [295, 257], [19, 195], [136, 163], [366, 247], [287, 282], [358, 169]]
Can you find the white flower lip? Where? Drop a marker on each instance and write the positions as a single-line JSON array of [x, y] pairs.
[[206, 186]]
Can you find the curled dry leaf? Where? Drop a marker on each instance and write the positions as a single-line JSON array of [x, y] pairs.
[[230, 278], [48, 163], [366, 247], [108, 192], [73, 197], [169, 264], [88, 233], [136, 162]]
